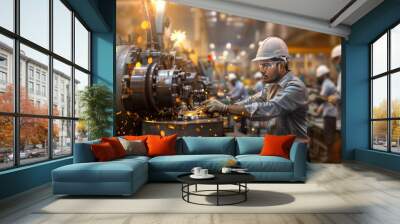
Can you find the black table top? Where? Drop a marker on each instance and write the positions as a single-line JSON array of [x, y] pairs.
[[220, 178]]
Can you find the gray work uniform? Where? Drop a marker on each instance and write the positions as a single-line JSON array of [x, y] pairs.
[[329, 113], [328, 89], [286, 111], [259, 86], [238, 92]]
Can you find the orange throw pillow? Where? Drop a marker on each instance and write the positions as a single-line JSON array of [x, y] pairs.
[[161, 146], [277, 145], [103, 152], [136, 137], [116, 145]]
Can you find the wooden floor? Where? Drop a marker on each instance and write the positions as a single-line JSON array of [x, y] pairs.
[[378, 189]]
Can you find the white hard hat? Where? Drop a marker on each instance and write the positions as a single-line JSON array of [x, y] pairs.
[[272, 47], [322, 70], [231, 76], [258, 75], [336, 51]]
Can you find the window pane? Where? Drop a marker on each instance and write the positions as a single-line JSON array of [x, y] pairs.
[[395, 47], [379, 55], [395, 94], [34, 97], [62, 138], [379, 135], [6, 74], [6, 142], [81, 131], [33, 139], [81, 81], [35, 21], [379, 98], [62, 29], [81, 45], [62, 89], [7, 14], [395, 136]]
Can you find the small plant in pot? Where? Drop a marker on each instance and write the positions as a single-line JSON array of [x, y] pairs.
[[96, 104]]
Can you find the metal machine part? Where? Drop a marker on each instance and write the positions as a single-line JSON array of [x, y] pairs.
[[153, 90], [201, 127]]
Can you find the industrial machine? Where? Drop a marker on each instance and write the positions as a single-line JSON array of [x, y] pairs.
[[163, 90], [160, 87]]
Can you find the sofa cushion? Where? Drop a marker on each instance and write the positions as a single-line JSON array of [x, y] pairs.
[[257, 163], [134, 147], [103, 152], [112, 171], [83, 152], [135, 137], [161, 145], [249, 145], [132, 158], [185, 163], [116, 145], [277, 145], [208, 145]]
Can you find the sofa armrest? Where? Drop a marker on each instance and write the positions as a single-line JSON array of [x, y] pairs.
[[298, 155], [83, 152]]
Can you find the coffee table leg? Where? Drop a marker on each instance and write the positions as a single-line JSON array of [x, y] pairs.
[[196, 188], [217, 194], [188, 189], [245, 193]]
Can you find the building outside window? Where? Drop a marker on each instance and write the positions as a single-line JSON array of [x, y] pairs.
[[30, 87], [43, 90], [3, 72], [38, 89], [30, 72], [37, 75], [43, 78]]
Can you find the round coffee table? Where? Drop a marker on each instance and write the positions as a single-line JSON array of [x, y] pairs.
[[238, 179]]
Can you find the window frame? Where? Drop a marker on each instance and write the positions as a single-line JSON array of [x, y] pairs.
[[388, 74], [16, 114]]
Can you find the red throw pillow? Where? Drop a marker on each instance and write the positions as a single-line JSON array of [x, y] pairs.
[[116, 145], [103, 152], [159, 146], [277, 145], [136, 137]]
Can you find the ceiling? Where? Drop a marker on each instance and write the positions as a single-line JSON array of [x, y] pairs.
[[326, 16]]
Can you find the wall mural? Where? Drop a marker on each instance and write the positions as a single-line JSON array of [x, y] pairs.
[[191, 71]]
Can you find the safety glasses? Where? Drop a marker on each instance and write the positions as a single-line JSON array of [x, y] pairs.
[[267, 65]]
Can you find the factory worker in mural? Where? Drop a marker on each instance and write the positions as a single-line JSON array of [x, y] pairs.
[[259, 86], [283, 101], [327, 109], [238, 91]]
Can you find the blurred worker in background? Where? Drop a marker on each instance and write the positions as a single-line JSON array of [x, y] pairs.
[[259, 86], [327, 108], [283, 101], [238, 91], [336, 57]]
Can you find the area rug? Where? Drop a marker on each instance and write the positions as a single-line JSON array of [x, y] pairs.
[[167, 198]]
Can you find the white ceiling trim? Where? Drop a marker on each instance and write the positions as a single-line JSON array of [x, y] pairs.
[[269, 15], [348, 12]]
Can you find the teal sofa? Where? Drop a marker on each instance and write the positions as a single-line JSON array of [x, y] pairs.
[[125, 176]]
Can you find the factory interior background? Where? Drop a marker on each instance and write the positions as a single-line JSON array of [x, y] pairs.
[[206, 47]]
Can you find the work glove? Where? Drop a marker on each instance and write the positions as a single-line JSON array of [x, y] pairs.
[[214, 105]]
